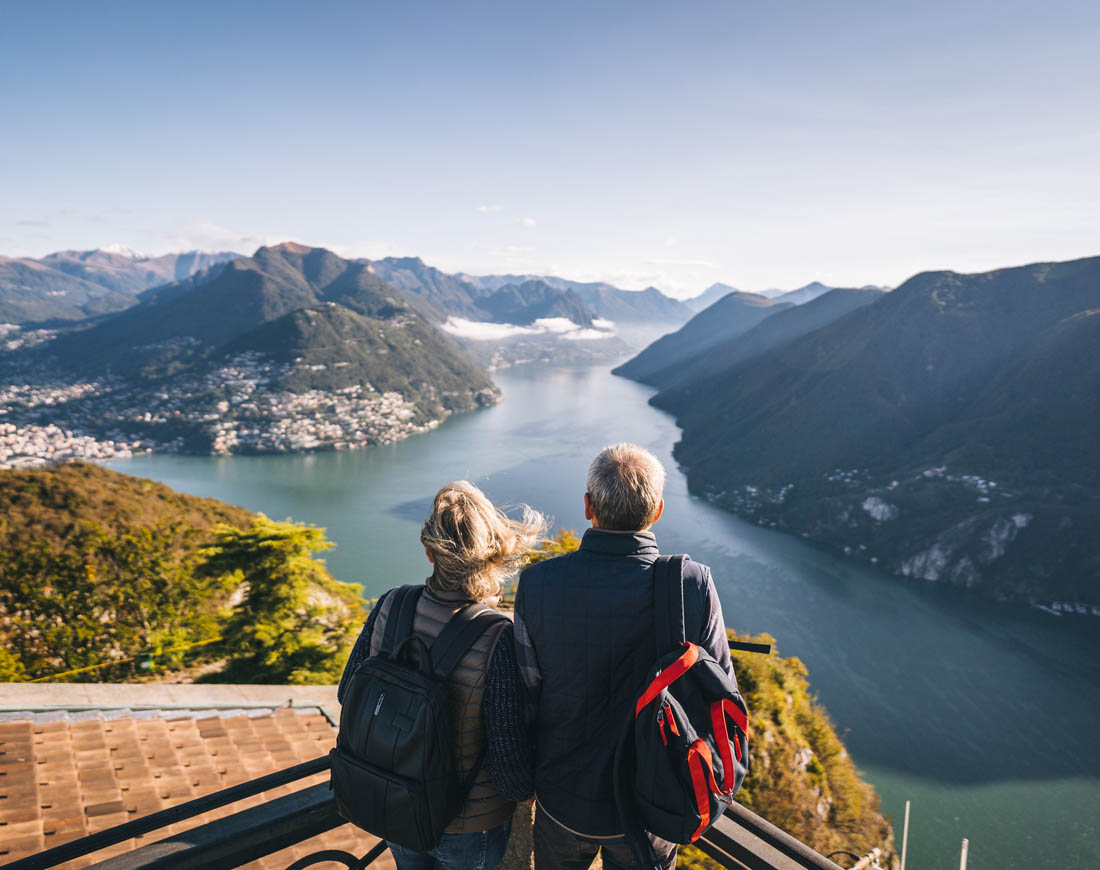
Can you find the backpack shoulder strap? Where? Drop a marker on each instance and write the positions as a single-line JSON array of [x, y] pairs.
[[459, 634], [668, 603], [399, 621]]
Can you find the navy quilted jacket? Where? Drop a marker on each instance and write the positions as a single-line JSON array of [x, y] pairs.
[[585, 639]]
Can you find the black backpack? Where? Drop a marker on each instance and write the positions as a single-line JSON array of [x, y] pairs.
[[684, 751], [393, 768]]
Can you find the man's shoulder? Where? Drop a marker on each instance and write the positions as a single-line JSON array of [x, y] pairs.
[[693, 570], [696, 576], [537, 570]]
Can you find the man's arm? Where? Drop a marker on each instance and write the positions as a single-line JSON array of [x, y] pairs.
[[508, 756], [527, 658]]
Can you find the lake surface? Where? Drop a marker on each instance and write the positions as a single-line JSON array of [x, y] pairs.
[[986, 716]]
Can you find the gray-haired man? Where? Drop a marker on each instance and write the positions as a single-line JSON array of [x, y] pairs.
[[585, 640]]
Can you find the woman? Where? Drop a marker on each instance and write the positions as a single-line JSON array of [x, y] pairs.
[[471, 546]]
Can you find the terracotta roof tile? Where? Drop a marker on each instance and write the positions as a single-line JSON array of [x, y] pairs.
[[63, 776]]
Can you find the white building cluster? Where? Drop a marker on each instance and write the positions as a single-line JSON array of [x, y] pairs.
[[238, 407], [32, 446]]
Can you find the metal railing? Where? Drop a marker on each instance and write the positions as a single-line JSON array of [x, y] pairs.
[[740, 839]]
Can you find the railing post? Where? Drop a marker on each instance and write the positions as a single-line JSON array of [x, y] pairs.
[[905, 836], [962, 857]]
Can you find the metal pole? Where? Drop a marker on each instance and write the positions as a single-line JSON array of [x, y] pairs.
[[962, 857], [905, 836]]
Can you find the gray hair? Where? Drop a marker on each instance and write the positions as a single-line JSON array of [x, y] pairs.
[[624, 485]]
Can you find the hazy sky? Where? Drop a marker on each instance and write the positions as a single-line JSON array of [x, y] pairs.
[[756, 143]]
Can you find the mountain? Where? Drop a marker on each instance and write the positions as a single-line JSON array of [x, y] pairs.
[[332, 347], [122, 270], [709, 296], [74, 285], [802, 295], [293, 348], [245, 294], [31, 292], [632, 306], [534, 300], [604, 300], [732, 315], [947, 431], [706, 370], [434, 293]]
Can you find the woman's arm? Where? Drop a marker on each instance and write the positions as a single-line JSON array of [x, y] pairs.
[[361, 651]]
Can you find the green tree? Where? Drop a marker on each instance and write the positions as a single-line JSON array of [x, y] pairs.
[[11, 668], [103, 596], [565, 541], [294, 622]]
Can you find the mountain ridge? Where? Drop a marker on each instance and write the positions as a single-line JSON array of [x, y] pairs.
[[75, 285], [929, 411], [732, 315]]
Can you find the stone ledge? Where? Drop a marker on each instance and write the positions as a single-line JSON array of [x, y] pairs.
[[73, 696]]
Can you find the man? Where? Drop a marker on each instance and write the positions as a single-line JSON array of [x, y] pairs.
[[585, 632]]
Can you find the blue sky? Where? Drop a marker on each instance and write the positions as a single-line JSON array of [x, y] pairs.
[[759, 144]]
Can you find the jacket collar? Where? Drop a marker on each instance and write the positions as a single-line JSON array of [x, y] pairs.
[[619, 543], [447, 596]]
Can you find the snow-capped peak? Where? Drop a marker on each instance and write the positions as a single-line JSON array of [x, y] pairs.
[[122, 250]]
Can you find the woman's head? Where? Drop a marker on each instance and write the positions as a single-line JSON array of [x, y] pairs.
[[472, 545]]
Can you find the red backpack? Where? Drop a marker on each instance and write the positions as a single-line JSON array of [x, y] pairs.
[[685, 750]]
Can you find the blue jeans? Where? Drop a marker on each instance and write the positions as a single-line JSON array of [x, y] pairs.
[[479, 851]]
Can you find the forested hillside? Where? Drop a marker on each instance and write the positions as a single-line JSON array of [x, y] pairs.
[[731, 316], [949, 431], [99, 567]]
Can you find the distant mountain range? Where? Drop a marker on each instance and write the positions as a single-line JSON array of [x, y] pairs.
[[948, 430], [794, 297], [465, 295], [534, 300], [295, 304], [783, 323], [74, 285], [732, 315]]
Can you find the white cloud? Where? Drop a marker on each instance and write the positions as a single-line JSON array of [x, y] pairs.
[[530, 222], [586, 334], [600, 323], [671, 242], [485, 209], [562, 327], [479, 331]]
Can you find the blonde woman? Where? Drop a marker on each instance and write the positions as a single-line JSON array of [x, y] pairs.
[[472, 546]]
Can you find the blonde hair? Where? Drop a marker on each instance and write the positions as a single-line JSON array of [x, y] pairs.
[[472, 543], [624, 485]]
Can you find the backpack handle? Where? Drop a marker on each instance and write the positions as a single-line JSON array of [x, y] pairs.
[[425, 660]]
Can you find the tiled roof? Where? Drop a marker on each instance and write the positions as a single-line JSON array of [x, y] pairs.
[[67, 774]]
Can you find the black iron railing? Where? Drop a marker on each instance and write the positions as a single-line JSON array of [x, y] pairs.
[[740, 839]]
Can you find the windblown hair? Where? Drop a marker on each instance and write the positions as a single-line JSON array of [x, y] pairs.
[[473, 544], [625, 483]]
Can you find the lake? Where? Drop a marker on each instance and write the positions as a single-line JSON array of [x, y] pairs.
[[986, 716]]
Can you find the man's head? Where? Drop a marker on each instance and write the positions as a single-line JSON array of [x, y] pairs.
[[624, 489]]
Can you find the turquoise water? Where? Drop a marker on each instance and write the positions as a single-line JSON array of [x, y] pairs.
[[985, 716]]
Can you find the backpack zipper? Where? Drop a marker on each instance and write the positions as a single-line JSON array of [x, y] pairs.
[[671, 720]]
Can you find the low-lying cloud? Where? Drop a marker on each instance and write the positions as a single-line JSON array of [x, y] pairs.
[[562, 327]]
